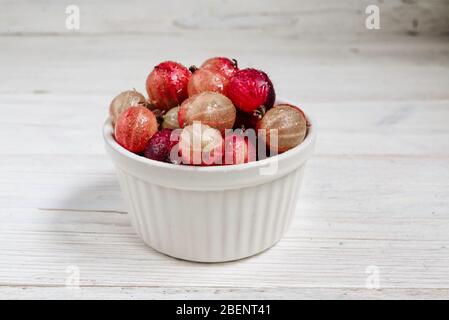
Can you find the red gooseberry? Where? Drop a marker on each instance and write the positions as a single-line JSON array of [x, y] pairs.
[[123, 101], [200, 144], [167, 84], [213, 75], [251, 89], [134, 128], [238, 149], [159, 146]]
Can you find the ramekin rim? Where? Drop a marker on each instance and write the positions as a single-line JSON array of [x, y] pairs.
[[309, 139]]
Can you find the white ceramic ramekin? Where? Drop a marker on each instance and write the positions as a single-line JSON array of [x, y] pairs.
[[210, 214]]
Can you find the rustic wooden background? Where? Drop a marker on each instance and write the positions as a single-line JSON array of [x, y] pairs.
[[375, 200]]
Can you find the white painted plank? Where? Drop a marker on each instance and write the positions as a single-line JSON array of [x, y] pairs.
[[96, 292], [288, 16], [84, 111], [307, 70], [375, 194], [37, 251]]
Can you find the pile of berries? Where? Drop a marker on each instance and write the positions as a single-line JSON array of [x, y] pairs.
[[212, 115]]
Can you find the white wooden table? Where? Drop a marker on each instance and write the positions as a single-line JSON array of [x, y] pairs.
[[373, 217]]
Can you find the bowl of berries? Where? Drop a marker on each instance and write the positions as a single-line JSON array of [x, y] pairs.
[[210, 165]]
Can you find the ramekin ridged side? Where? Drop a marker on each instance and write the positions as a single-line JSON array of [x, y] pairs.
[[211, 226]]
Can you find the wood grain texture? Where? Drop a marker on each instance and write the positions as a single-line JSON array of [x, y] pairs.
[[107, 253], [375, 194], [321, 69], [140, 293], [286, 17]]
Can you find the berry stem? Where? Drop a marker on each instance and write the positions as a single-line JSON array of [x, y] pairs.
[[159, 114], [193, 68], [260, 112], [150, 104]]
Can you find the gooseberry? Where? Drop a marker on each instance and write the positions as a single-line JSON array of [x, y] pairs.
[[200, 144], [159, 146], [205, 80], [238, 149], [167, 84], [287, 123], [134, 128], [245, 121], [210, 108], [225, 66], [123, 101], [213, 75], [170, 119], [250, 90]]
